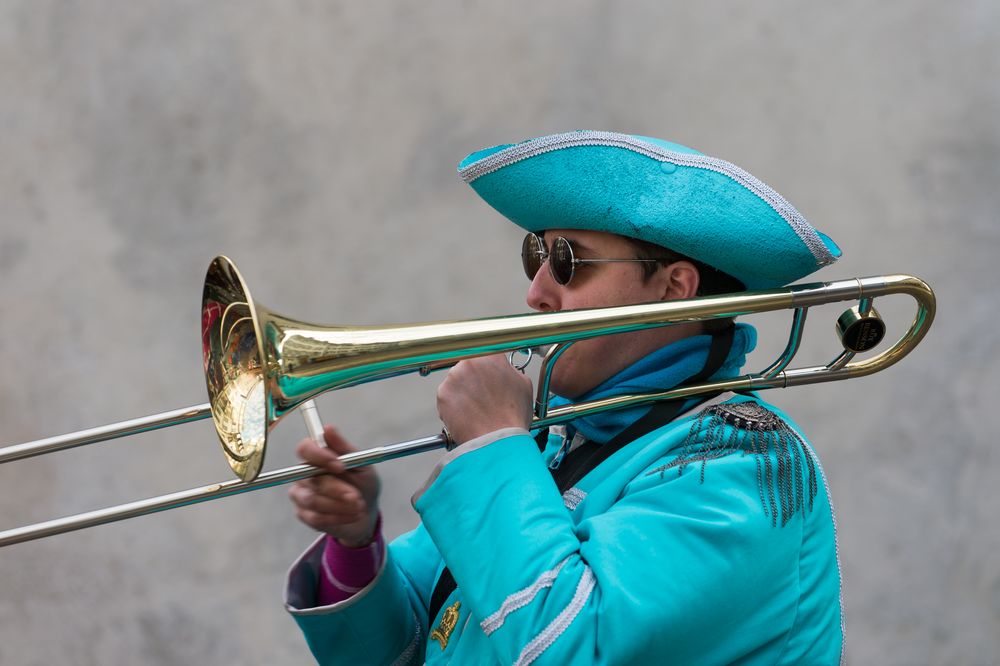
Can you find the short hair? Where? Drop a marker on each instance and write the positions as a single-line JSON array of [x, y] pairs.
[[711, 280]]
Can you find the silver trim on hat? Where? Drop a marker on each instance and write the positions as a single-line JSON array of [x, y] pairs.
[[806, 233]]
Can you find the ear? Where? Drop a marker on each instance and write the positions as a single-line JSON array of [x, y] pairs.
[[679, 280]]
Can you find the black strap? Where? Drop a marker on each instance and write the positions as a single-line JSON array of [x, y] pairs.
[[588, 455], [442, 590]]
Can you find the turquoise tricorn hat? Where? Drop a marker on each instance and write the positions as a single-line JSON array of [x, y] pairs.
[[653, 190]]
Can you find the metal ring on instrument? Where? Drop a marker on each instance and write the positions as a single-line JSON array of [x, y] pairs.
[[527, 352], [449, 441]]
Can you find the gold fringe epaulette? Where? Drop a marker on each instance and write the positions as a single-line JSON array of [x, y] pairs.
[[786, 469]]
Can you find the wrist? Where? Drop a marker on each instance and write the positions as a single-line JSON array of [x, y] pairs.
[[470, 432], [363, 541]]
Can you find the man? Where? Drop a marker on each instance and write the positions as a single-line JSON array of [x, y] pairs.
[[695, 532]]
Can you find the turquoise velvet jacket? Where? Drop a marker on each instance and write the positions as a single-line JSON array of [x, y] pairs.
[[645, 561]]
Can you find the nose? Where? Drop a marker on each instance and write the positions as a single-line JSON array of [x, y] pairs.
[[543, 294]]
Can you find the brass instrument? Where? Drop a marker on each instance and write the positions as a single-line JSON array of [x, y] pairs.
[[260, 365]]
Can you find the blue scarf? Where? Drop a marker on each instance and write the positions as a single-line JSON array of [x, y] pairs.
[[665, 368]]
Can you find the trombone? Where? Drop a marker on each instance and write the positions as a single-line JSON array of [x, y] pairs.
[[260, 365]]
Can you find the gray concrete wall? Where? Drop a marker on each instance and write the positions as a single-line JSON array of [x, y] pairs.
[[315, 143]]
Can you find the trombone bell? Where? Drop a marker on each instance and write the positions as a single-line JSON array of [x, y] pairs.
[[233, 358]]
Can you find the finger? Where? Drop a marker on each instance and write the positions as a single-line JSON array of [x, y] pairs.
[[349, 487], [500, 360], [322, 522], [357, 488], [336, 442], [343, 499], [336, 488], [526, 380], [319, 456]]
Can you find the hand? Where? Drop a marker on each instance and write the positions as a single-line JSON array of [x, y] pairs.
[[484, 394], [342, 503]]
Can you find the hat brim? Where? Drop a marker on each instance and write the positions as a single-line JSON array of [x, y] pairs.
[[664, 193]]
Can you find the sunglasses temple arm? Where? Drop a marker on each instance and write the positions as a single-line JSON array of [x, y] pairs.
[[609, 261]]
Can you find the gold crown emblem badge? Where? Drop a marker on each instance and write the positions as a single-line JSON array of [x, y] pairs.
[[448, 621]]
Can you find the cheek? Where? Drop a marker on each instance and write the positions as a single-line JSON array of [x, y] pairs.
[[617, 284]]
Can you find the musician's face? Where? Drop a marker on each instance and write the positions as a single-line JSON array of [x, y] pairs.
[[589, 362]]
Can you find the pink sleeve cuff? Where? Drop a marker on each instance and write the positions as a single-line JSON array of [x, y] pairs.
[[346, 571]]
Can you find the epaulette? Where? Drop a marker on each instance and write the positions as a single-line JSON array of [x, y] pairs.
[[786, 467]]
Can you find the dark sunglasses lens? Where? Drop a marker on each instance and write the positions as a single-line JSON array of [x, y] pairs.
[[532, 255], [561, 261]]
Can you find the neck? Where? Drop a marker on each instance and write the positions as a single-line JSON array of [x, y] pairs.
[[662, 369]]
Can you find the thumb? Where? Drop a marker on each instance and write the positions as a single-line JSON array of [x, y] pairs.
[[336, 443]]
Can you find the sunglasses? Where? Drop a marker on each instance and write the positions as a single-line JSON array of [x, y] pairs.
[[562, 263]]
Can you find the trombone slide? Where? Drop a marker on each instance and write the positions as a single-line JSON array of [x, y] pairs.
[[301, 361]]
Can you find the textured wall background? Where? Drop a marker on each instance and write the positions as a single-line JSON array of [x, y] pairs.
[[315, 143]]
